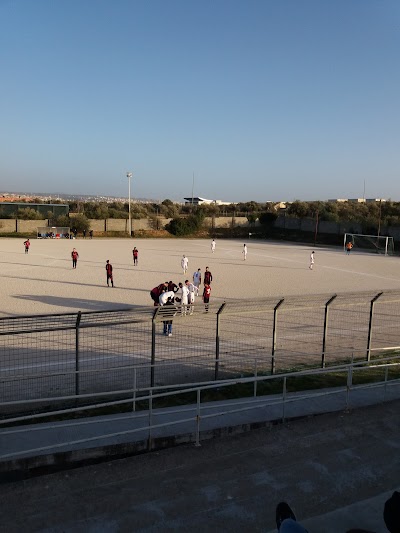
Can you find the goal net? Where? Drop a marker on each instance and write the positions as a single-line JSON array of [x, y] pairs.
[[369, 243], [54, 232]]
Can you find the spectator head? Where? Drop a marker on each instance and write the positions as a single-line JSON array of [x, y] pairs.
[[391, 513]]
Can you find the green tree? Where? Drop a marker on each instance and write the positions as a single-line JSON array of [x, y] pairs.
[[63, 221], [79, 222], [181, 226]]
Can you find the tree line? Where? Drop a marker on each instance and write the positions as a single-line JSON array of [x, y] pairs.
[[187, 218]]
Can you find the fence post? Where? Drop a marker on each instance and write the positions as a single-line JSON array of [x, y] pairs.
[[274, 335], [78, 321], [349, 384], [371, 317], [325, 334], [217, 342], [153, 347]]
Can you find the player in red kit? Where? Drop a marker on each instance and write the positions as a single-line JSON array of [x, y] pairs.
[[206, 295], [74, 255], [109, 270]]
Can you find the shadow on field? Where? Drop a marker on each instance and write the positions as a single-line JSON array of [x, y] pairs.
[[58, 282], [77, 303]]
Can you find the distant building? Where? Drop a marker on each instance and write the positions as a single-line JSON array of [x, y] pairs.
[[196, 200], [357, 200]]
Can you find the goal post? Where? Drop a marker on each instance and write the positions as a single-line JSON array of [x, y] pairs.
[[379, 244], [54, 232]]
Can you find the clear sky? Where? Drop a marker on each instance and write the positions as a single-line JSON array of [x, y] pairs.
[[260, 99]]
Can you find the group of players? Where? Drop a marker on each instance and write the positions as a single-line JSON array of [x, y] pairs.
[[184, 293]]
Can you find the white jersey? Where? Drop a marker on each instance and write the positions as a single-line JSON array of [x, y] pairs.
[[163, 299], [185, 295], [184, 263], [213, 246], [193, 290], [312, 261]]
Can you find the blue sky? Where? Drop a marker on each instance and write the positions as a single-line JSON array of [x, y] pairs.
[[260, 99]]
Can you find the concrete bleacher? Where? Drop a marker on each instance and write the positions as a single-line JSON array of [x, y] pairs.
[[336, 470]]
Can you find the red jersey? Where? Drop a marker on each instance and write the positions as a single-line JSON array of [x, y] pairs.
[[74, 255], [207, 291], [109, 269]]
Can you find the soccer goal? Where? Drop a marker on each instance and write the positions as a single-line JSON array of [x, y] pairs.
[[370, 243], [55, 232]]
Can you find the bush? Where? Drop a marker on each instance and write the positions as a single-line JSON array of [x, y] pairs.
[[80, 223], [181, 226]]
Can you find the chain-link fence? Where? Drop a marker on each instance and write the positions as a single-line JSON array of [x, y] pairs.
[[72, 355]]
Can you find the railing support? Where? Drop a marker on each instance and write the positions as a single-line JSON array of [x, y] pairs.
[[197, 443], [153, 347], [371, 318], [150, 437], [134, 389], [274, 334], [78, 321], [284, 399], [325, 334], [216, 370]]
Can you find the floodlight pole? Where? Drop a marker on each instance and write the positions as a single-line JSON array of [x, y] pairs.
[[129, 176]]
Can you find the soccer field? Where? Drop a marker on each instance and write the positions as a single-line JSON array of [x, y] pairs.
[[43, 281]]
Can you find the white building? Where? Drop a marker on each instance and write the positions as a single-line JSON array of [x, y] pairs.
[[196, 200]]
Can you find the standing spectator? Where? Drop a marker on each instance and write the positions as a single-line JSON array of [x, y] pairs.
[[184, 264], [197, 280], [206, 295], [244, 252], [109, 270], [169, 311], [135, 253], [91, 234], [75, 256], [312, 260], [27, 244], [84, 234], [213, 246], [207, 277], [75, 232]]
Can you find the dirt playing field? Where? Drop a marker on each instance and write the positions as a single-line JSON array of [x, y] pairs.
[[44, 281]]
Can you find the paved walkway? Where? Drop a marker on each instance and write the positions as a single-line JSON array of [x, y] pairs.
[[336, 470]]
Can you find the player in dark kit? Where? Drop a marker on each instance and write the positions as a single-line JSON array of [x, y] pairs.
[[207, 277], [155, 293], [109, 270]]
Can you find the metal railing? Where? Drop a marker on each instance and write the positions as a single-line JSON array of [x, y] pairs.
[[382, 378], [88, 353]]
